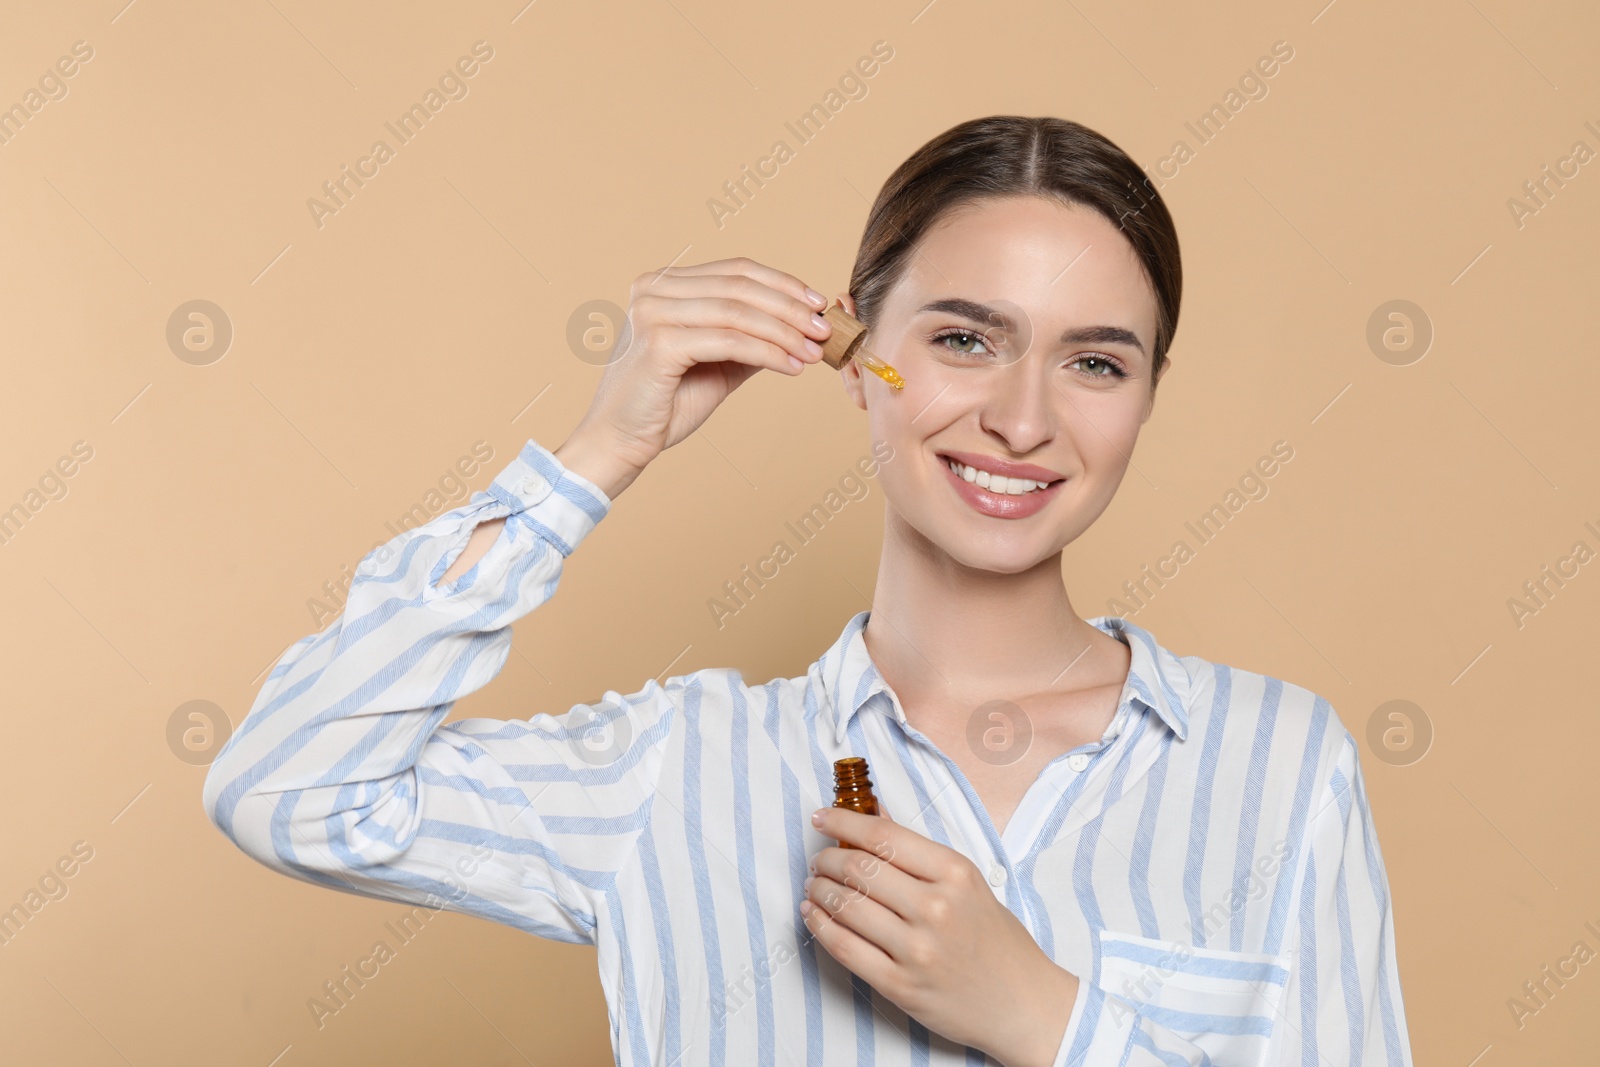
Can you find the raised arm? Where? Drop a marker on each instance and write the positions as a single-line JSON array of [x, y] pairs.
[[342, 774], [603, 469]]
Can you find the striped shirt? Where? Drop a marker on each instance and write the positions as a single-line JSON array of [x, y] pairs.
[[1208, 868]]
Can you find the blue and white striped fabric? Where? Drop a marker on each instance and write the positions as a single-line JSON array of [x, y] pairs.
[[1209, 868]]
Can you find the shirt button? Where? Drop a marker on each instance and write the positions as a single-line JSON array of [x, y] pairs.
[[997, 875], [534, 485], [1078, 761]]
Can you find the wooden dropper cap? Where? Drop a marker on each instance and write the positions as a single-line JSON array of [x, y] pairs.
[[846, 338]]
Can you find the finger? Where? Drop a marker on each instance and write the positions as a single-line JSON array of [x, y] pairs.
[[854, 952], [802, 319], [769, 276], [705, 345], [907, 849], [873, 876], [861, 913]]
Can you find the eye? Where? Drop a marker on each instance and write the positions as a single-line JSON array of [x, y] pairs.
[[1109, 367], [962, 337]]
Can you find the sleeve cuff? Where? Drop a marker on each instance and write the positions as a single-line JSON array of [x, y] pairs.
[[1074, 1023], [560, 504], [1104, 1029]]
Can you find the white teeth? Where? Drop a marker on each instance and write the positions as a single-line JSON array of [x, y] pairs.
[[995, 483]]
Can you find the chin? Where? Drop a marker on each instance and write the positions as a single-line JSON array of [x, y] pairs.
[[992, 551], [996, 560]]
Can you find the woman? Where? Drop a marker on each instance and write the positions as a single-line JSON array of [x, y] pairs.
[[1097, 851]]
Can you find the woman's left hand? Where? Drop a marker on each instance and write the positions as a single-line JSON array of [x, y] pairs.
[[918, 921]]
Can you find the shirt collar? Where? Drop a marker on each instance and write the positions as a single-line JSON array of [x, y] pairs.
[[1156, 678]]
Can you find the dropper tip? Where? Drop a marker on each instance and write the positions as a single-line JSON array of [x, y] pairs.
[[883, 370]]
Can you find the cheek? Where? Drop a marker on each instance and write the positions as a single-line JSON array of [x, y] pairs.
[[934, 396], [1104, 428], [932, 400]]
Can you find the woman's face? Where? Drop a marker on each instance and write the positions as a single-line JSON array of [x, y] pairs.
[[1025, 330]]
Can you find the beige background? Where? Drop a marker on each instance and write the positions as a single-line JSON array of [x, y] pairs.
[[431, 311]]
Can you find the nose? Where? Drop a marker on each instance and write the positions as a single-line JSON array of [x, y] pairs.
[[1017, 409]]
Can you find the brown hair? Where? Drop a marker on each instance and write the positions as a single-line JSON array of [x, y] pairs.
[[1010, 155]]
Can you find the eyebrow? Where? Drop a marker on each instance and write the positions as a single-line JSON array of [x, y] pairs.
[[980, 312]]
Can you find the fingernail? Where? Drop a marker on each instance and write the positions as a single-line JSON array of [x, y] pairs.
[[820, 322], [797, 364], [816, 818], [812, 347], [816, 297]]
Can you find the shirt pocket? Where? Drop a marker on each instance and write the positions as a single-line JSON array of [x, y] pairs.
[[1226, 1003]]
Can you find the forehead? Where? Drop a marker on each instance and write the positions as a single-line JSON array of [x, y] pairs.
[[1058, 261]]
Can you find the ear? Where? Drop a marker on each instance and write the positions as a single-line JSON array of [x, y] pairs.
[[1166, 365], [1150, 401], [850, 374]]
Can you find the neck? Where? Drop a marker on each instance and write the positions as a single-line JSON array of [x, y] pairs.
[[945, 634]]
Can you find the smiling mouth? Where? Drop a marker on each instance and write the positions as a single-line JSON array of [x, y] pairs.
[[996, 483]]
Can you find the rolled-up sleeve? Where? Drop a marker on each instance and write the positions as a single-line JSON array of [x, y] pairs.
[[1105, 1028], [343, 776]]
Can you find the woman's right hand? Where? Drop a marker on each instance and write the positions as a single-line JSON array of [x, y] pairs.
[[693, 335]]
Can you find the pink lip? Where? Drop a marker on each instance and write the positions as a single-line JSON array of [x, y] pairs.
[[1000, 505], [1006, 467]]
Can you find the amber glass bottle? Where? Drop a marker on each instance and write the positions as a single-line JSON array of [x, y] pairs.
[[852, 788]]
